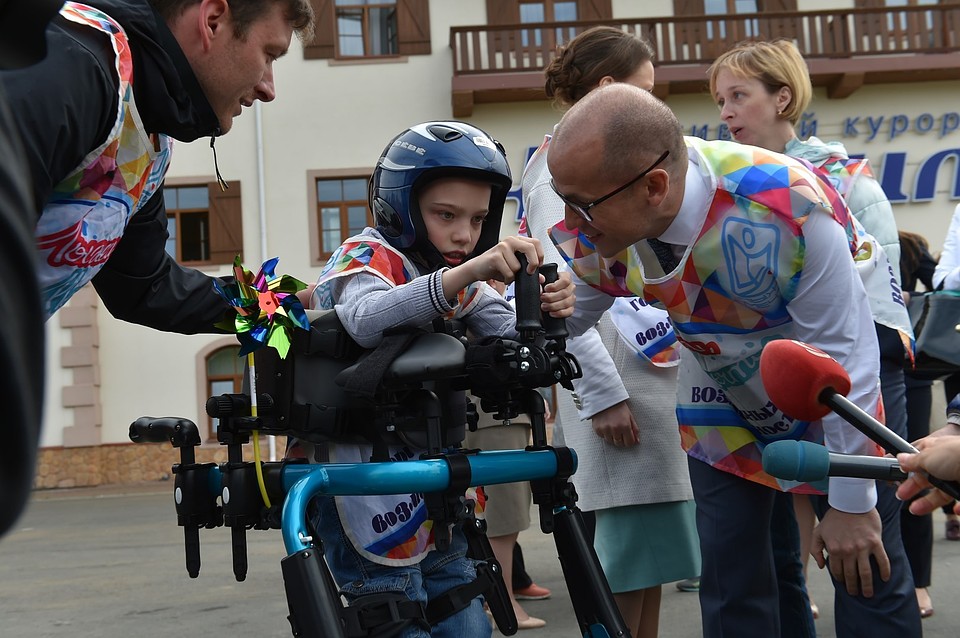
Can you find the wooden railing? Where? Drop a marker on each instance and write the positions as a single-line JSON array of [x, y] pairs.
[[840, 33]]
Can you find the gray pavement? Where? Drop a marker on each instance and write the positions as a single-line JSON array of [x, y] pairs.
[[108, 563]]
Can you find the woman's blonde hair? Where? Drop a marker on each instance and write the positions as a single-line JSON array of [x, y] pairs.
[[776, 64], [578, 66]]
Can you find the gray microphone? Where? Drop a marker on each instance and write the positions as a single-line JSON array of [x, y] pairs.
[[807, 462]]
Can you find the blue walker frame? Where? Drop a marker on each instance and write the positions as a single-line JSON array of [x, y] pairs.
[[313, 598]]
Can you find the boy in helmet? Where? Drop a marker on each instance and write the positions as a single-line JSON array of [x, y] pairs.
[[437, 196]]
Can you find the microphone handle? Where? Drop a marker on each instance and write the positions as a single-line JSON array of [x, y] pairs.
[[875, 431], [880, 434], [868, 467]]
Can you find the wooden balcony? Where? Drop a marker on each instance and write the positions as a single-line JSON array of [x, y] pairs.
[[845, 49]]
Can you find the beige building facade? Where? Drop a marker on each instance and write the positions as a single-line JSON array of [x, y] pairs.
[[343, 98]]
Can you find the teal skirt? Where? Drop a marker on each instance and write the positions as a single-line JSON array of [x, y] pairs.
[[642, 546]]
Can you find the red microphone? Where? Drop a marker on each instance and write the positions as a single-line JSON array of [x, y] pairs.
[[796, 374], [806, 383]]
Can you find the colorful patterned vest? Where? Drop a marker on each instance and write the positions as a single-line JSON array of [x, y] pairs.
[[842, 172], [728, 297], [88, 211]]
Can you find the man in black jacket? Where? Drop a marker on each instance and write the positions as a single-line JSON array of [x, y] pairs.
[[123, 77], [22, 44], [90, 123]]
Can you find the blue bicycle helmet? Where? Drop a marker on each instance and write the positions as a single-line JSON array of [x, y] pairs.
[[421, 154]]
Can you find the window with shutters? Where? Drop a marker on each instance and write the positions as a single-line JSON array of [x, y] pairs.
[[535, 47], [362, 29], [900, 21], [547, 11], [749, 28], [897, 29], [528, 11], [204, 223], [705, 40], [365, 29], [731, 7], [340, 210]]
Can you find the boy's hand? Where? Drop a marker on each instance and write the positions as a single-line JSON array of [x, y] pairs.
[[306, 296], [558, 298], [498, 263], [501, 263]]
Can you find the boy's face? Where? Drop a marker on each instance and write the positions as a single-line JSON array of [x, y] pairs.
[[453, 211]]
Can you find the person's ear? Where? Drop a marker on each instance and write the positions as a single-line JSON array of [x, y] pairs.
[[213, 18], [656, 186], [784, 98], [605, 80]]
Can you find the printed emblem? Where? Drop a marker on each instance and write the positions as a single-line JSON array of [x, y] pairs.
[[749, 250]]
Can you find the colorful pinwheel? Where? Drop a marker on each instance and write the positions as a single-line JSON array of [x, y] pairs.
[[268, 311], [267, 306]]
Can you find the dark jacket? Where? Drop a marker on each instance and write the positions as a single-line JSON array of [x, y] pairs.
[[64, 108], [923, 273]]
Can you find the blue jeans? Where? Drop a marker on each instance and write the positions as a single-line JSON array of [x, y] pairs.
[[435, 574]]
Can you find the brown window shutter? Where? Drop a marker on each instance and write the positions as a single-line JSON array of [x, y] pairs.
[[687, 7], [688, 33], [778, 27], [323, 45], [226, 223], [594, 10], [413, 27], [503, 12]]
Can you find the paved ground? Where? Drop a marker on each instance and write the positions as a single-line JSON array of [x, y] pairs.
[[108, 563]]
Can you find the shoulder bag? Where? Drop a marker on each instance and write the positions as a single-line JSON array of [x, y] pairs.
[[936, 326]]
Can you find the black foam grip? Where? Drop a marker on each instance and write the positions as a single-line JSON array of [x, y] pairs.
[[554, 327], [179, 432], [527, 288]]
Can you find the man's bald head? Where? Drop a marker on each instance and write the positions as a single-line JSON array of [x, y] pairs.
[[631, 126]]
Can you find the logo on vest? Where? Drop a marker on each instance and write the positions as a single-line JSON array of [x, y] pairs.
[[710, 348], [69, 247], [749, 249]]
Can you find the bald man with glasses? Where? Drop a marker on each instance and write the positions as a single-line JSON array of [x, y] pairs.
[[741, 246]]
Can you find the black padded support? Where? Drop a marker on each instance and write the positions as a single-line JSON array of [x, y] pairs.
[[364, 377], [312, 596], [382, 616]]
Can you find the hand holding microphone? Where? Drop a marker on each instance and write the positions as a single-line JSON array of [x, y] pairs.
[[939, 456], [808, 462], [806, 383]]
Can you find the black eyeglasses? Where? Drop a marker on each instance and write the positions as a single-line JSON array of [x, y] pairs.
[[584, 209]]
